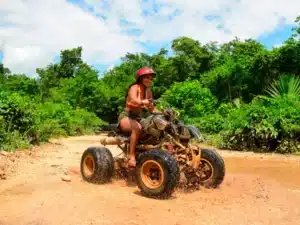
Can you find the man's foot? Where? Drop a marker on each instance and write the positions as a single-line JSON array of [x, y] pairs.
[[132, 162]]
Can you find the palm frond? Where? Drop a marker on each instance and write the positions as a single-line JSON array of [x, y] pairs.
[[285, 85]]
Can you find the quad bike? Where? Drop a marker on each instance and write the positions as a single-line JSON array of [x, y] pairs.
[[165, 156]]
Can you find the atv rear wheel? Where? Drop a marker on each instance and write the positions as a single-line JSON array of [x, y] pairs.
[[97, 165], [214, 174], [157, 173]]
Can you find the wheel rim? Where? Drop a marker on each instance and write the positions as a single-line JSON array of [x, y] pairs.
[[152, 174], [88, 165], [205, 171]]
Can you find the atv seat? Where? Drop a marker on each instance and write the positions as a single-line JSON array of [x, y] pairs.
[[115, 127]]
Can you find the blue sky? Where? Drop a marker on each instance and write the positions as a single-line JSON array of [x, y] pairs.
[[277, 37], [107, 29]]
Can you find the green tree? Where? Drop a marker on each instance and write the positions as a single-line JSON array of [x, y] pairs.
[[296, 29], [70, 61], [22, 84], [4, 72], [190, 99], [234, 75]]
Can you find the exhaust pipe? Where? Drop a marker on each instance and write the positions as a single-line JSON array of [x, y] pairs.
[[110, 141]]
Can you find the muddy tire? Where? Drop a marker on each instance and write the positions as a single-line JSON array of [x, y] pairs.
[[157, 174], [97, 165], [215, 162]]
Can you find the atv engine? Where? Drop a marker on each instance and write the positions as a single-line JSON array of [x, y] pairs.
[[154, 125]]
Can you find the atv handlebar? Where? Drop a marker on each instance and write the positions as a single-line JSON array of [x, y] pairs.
[[160, 113], [153, 101], [157, 113]]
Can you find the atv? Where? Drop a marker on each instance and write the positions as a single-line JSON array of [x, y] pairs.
[[166, 155]]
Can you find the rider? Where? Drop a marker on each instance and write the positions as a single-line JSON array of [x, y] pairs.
[[137, 99]]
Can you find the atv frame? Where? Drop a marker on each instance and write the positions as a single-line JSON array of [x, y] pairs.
[[167, 155]]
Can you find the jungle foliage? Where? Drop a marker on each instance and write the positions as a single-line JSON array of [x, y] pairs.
[[239, 94]]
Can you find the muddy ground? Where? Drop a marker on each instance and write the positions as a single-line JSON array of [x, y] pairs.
[[258, 189]]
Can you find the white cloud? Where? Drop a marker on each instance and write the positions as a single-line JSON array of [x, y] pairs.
[[111, 67], [34, 31], [244, 18], [255, 17]]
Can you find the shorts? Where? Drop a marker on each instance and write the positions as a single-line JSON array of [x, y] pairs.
[[131, 115]]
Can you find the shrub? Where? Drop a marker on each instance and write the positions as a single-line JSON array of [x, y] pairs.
[[190, 99], [57, 119], [16, 121], [267, 124], [16, 111], [24, 122], [212, 123]]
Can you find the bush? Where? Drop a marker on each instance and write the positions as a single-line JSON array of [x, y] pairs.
[[190, 99], [16, 111], [57, 119], [212, 123], [267, 124], [16, 121], [24, 122]]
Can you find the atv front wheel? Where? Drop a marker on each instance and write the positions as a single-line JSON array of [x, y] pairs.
[[97, 165], [211, 169], [157, 173]]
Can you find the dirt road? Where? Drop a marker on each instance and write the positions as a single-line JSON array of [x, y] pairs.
[[258, 189]]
